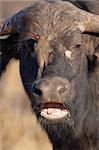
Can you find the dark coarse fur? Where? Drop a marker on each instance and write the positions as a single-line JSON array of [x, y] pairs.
[[81, 130]]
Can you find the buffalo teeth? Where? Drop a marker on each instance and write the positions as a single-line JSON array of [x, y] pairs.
[[54, 113], [4, 37]]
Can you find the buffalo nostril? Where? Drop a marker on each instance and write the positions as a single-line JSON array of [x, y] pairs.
[[36, 90], [40, 86], [62, 89], [50, 87]]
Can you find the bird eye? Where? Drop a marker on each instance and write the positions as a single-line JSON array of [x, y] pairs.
[[35, 37]]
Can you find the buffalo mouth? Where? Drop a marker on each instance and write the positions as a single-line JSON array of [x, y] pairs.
[[53, 111]]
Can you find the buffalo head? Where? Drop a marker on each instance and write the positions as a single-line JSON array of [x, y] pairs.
[[58, 67]]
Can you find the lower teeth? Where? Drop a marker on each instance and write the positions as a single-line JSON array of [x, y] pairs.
[[54, 113]]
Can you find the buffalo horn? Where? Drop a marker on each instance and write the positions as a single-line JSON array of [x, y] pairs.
[[89, 23]]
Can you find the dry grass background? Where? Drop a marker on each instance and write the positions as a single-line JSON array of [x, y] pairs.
[[19, 129]]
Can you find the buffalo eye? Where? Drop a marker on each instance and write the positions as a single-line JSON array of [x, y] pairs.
[[78, 45], [78, 48]]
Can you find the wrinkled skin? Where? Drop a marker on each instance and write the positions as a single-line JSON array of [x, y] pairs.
[[80, 71]]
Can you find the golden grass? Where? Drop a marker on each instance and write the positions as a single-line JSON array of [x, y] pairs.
[[19, 129]]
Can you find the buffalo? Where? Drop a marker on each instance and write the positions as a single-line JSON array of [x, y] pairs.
[[57, 44]]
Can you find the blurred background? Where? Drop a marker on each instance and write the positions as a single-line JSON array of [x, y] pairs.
[[19, 129]]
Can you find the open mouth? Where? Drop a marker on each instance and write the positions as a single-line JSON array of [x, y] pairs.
[[53, 111]]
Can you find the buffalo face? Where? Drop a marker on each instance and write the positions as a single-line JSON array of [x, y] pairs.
[[59, 93], [55, 64]]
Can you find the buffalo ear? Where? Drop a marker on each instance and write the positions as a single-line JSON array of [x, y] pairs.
[[97, 52], [92, 47], [8, 50]]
